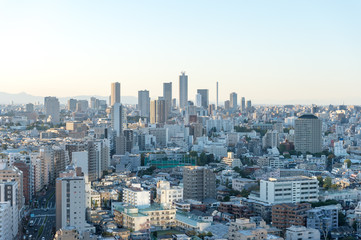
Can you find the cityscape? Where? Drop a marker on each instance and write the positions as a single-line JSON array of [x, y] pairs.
[[180, 120]]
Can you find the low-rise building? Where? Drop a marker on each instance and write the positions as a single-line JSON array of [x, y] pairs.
[[302, 233]]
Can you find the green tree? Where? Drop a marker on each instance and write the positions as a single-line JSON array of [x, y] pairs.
[[348, 161], [320, 181], [341, 219], [327, 183]]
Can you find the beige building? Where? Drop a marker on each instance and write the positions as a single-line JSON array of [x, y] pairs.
[[231, 161]]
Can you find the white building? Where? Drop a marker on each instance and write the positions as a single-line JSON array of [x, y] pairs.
[[9, 193], [167, 195], [6, 225], [136, 196], [70, 201], [287, 190], [302, 233]]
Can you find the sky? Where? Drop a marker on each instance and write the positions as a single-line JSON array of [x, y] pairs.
[[267, 51]]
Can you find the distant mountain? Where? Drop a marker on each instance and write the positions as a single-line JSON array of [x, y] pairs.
[[23, 98]]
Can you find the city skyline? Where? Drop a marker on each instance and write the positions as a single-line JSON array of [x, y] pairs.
[[268, 52]]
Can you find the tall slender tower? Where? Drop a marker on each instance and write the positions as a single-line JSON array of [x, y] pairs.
[[217, 97], [167, 95], [115, 95], [143, 103], [183, 90]]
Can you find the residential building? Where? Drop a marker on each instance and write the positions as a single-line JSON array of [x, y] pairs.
[[52, 109], [323, 218], [231, 161], [302, 233], [167, 195], [308, 134], [136, 196], [286, 215], [199, 183]]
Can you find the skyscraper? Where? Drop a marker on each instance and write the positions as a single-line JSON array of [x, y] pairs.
[[144, 103], [118, 116], [115, 95], [205, 97], [198, 100], [308, 134], [183, 90], [249, 105], [72, 104], [167, 94], [243, 107], [233, 101], [52, 109], [157, 111], [217, 97]]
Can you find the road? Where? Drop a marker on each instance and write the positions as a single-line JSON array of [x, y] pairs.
[[43, 216]]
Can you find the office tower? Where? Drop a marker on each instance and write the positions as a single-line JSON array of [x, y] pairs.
[[60, 160], [52, 109], [144, 103], [153, 111], [205, 97], [6, 231], [198, 100], [72, 104], [226, 105], [167, 94], [29, 107], [233, 101], [157, 111], [119, 121], [217, 97], [129, 140], [115, 94], [308, 134], [161, 111], [243, 101], [249, 105], [70, 201], [12, 173], [199, 183], [211, 108], [9, 193], [183, 90]]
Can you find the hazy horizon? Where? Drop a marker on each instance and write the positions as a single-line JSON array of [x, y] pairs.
[[270, 52]]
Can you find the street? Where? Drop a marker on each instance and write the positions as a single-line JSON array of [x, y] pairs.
[[42, 218]]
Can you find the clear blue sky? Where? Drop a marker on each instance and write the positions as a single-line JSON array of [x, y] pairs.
[[268, 51]]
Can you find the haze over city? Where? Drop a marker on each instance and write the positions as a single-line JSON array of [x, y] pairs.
[[270, 51]]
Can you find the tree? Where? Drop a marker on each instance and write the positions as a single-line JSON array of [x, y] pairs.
[[348, 161], [320, 181], [327, 182], [226, 199], [341, 219]]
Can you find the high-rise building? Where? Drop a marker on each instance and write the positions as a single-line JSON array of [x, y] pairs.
[[217, 97], [183, 90], [29, 107], [119, 118], [249, 105], [144, 103], [199, 183], [52, 109], [9, 193], [205, 97], [286, 215], [198, 100], [6, 231], [243, 102], [12, 173], [167, 94], [115, 94], [70, 201], [308, 134], [60, 160], [72, 104], [157, 111], [226, 105], [233, 101]]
